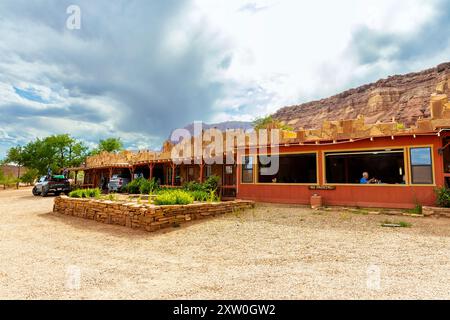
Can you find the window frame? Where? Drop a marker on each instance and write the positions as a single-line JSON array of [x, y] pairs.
[[410, 166], [316, 183], [242, 169], [405, 162]]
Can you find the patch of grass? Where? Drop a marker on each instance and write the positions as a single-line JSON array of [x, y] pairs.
[[359, 211], [401, 224], [416, 210]]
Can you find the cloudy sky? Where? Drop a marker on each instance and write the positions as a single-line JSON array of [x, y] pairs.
[[138, 69]]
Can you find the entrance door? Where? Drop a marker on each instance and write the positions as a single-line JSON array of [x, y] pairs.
[[446, 157], [229, 181]]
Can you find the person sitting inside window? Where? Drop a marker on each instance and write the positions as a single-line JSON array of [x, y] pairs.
[[365, 179]]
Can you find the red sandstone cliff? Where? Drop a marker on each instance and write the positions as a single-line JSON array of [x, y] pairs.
[[405, 97]]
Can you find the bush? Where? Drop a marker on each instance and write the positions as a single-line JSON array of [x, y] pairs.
[[211, 184], [8, 181], [148, 187], [30, 176], [443, 197], [134, 186], [199, 195], [76, 193], [193, 186], [170, 197], [85, 193], [142, 186]]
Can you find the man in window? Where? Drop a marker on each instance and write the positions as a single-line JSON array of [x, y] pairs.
[[365, 179]]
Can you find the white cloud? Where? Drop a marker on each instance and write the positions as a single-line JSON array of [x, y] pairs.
[[139, 70]]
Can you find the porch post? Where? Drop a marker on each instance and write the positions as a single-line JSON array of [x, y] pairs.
[[202, 164], [173, 173], [150, 166], [131, 172], [76, 175]]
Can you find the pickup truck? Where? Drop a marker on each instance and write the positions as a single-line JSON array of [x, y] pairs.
[[51, 184]]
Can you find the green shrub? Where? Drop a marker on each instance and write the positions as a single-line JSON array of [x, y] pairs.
[[142, 186], [213, 197], [8, 181], [199, 195], [193, 186], [76, 193], [86, 193], [92, 193], [134, 186], [148, 186], [171, 197], [443, 197], [211, 184]]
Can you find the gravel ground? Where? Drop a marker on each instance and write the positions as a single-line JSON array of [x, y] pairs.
[[271, 252]]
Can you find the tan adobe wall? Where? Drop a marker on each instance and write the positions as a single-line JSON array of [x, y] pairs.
[[144, 216]]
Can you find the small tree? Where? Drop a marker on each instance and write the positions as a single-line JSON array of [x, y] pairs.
[[16, 156], [109, 145], [269, 122], [30, 176]]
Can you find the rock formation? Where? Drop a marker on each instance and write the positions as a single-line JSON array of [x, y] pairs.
[[403, 97]]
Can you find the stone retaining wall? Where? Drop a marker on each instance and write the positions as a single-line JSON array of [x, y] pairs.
[[143, 216], [436, 212]]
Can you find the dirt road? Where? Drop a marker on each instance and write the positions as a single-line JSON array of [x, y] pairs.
[[272, 252]]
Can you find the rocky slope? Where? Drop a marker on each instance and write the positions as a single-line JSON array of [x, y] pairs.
[[405, 97]]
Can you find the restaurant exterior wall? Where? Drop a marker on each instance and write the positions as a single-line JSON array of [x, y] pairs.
[[373, 195]]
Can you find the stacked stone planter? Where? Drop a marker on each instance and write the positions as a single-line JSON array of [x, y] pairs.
[[143, 216], [436, 212]]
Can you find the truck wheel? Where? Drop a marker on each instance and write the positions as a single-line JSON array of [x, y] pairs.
[[44, 192], [35, 193]]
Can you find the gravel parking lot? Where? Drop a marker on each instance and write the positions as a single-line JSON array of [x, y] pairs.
[[271, 252]]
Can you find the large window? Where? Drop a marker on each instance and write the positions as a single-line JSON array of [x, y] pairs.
[[247, 170], [293, 168], [421, 166], [382, 166]]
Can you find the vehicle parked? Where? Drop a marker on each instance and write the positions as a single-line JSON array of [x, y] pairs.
[[55, 184], [118, 182]]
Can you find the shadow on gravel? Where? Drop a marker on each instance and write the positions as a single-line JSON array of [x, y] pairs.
[[111, 229]]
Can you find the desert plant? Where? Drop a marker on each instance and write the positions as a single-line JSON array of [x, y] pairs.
[[193, 186], [211, 184], [443, 197], [76, 193], [148, 186], [199, 195], [213, 197], [86, 193], [134, 186], [170, 197]]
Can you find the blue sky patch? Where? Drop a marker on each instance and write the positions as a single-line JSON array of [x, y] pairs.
[[29, 95]]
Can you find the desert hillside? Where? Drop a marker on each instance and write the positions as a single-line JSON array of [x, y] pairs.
[[405, 97]]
